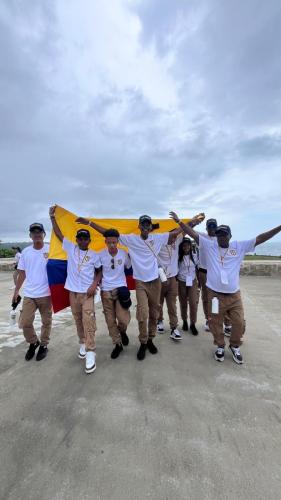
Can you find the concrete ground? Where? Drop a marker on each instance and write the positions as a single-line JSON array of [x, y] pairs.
[[176, 426]]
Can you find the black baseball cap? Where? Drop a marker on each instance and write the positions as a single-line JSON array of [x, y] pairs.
[[211, 223], [83, 233], [223, 229], [36, 226], [145, 219]]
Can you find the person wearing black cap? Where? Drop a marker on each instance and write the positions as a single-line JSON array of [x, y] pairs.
[[211, 226], [224, 258], [144, 249], [83, 277], [32, 271]]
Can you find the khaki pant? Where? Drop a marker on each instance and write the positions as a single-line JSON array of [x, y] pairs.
[[204, 292], [83, 310], [148, 306], [117, 318], [230, 304], [188, 294], [29, 307], [169, 291]]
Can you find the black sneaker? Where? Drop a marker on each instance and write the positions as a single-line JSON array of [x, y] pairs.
[[125, 338], [236, 354], [31, 351], [193, 329], [42, 352], [116, 351], [219, 354], [151, 347], [185, 326], [141, 352]]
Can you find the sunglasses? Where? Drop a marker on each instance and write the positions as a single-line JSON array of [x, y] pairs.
[[112, 264]]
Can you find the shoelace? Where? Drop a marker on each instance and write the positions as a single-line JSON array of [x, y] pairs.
[[220, 350]]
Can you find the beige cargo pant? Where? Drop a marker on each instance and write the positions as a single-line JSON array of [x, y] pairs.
[[230, 304], [188, 295], [148, 307], [83, 311], [29, 308], [169, 291], [117, 318]]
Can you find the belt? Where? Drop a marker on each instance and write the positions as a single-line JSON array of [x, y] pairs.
[[203, 270]]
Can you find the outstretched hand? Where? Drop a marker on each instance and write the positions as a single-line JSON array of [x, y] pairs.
[[52, 210], [174, 216]]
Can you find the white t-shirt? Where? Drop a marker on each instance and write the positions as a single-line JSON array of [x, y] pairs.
[[168, 257], [81, 266], [17, 258], [187, 269], [144, 260], [114, 278], [202, 253], [224, 264], [34, 263]]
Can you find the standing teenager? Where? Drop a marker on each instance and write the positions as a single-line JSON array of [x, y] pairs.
[[32, 271], [83, 277]]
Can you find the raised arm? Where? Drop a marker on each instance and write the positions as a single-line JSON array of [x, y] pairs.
[[261, 238], [57, 231], [87, 222], [197, 219], [186, 228]]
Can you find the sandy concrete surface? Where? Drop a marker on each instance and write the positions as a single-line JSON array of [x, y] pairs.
[[178, 425]]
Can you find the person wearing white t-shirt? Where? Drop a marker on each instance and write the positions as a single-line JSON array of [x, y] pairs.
[[211, 226], [144, 249], [188, 284], [32, 271], [224, 259], [17, 259], [114, 290], [83, 277], [168, 259]]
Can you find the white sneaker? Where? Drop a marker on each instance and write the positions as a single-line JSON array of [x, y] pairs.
[[90, 362], [207, 329], [82, 351], [175, 334], [160, 327]]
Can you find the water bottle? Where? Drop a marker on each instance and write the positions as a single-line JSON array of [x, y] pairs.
[[162, 274], [215, 305], [13, 316]]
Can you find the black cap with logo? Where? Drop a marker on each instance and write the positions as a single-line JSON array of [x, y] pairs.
[[83, 233], [36, 226], [211, 223], [223, 230], [145, 219]]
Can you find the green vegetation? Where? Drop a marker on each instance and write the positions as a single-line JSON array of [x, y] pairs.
[[6, 252], [262, 257]]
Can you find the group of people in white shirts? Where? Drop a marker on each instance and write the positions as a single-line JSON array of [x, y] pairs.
[[165, 266]]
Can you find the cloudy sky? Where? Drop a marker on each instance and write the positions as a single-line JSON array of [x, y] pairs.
[[127, 107]]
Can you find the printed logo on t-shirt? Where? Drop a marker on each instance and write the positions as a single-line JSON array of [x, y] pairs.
[[45, 255], [232, 252], [119, 262], [87, 258]]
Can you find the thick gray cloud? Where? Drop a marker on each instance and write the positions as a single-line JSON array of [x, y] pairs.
[[140, 107]]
